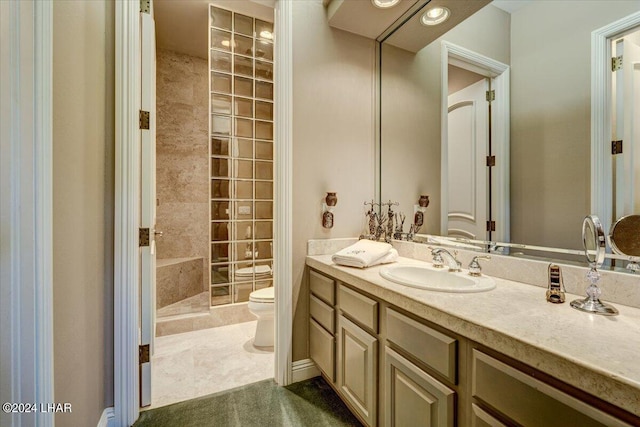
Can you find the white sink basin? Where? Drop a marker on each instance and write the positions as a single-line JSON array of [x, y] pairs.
[[437, 280]]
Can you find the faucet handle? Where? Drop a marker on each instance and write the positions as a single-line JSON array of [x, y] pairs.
[[474, 266], [437, 260]]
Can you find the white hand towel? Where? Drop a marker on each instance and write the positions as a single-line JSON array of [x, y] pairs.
[[391, 256], [362, 254]]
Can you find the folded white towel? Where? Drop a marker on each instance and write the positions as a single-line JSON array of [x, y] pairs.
[[390, 257], [364, 253]]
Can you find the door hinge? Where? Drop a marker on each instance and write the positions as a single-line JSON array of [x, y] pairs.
[[616, 63], [616, 147], [491, 95], [491, 161], [491, 226], [143, 354], [145, 6], [144, 119], [143, 237]]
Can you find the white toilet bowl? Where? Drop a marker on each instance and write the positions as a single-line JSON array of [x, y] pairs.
[[261, 304]]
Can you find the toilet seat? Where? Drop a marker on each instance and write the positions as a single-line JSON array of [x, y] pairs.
[[264, 295]]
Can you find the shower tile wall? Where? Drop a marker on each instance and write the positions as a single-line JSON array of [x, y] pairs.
[[241, 62], [182, 151]]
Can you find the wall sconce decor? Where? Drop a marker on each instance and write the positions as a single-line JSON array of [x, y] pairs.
[[419, 211], [327, 209]]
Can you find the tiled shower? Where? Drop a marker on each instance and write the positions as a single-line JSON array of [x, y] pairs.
[[214, 172], [241, 155]]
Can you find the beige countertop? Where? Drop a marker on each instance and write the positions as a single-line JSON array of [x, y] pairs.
[[598, 354]]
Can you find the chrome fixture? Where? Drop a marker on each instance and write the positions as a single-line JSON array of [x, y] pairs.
[[594, 247], [437, 261], [474, 266], [452, 262]]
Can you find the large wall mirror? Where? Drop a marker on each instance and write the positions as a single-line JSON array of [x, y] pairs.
[[532, 60]]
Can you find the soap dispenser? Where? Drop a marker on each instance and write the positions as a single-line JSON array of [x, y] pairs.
[[555, 290]]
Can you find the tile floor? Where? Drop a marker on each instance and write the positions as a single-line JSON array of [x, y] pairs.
[[193, 364]]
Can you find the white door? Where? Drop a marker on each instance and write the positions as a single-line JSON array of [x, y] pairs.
[[467, 174], [627, 110], [147, 201]]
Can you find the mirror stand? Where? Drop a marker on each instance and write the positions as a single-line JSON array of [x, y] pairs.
[[592, 303], [594, 250]]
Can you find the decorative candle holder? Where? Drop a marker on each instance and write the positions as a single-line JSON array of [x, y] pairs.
[[327, 209], [419, 211]]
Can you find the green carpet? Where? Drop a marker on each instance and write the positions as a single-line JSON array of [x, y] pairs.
[[308, 403]]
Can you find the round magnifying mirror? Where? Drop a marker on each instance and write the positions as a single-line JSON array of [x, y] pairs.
[[594, 249], [593, 240], [625, 240], [625, 236]]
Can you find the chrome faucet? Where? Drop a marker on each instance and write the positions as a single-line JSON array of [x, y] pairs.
[[452, 262]]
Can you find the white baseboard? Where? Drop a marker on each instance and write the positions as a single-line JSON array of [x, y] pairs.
[[304, 370], [107, 418]]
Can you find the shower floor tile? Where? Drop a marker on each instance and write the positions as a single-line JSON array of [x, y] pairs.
[[193, 364], [195, 304]]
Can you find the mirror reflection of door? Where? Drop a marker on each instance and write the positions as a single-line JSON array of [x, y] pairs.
[[625, 126], [147, 202], [468, 188]]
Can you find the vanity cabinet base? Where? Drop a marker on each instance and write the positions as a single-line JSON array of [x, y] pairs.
[[413, 398]]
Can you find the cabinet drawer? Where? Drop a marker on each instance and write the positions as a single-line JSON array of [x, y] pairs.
[[434, 348], [323, 287], [322, 313], [358, 307], [322, 347], [528, 401]]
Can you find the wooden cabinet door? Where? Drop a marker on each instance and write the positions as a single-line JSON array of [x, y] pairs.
[[357, 369], [413, 398], [322, 349]]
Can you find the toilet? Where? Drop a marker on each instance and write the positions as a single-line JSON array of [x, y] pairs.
[[261, 304]]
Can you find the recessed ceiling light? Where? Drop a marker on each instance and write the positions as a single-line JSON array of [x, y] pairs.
[[435, 16], [385, 4]]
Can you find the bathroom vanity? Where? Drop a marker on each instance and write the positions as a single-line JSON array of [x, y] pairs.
[[400, 356]]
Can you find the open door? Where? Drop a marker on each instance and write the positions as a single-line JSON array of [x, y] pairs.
[[467, 172], [626, 163], [147, 198]]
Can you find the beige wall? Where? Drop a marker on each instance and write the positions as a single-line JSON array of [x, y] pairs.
[[83, 182], [550, 117], [182, 156], [410, 92], [333, 140]]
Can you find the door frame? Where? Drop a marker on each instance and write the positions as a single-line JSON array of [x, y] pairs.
[[26, 208], [500, 132], [127, 171], [601, 79]]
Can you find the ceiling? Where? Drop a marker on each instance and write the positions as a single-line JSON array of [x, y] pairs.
[[363, 18], [413, 36], [510, 6], [182, 25]]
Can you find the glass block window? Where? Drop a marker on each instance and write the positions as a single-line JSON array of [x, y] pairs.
[[241, 151]]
